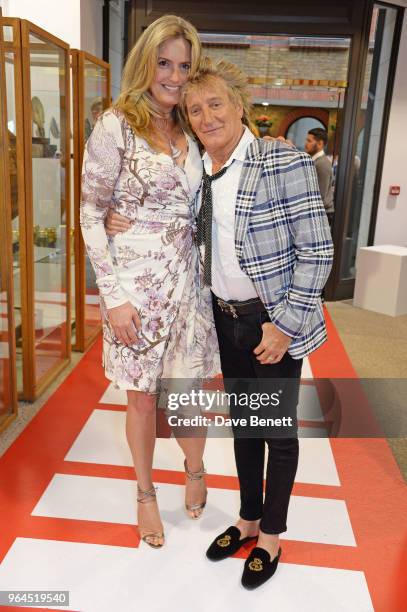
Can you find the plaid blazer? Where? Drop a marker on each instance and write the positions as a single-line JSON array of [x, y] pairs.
[[283, 240]]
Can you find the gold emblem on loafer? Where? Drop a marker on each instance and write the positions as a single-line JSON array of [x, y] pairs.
[[256, 565], [225, 541]]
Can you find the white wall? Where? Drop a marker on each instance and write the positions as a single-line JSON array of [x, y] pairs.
[[59, 18], [4, 6], [77, 22], [116, 35], [91, 20], [391, 225]]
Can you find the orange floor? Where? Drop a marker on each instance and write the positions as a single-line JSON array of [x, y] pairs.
[[370, 483]]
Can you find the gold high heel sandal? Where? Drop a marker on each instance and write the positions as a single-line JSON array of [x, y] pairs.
[[144, 497], [200, 506]]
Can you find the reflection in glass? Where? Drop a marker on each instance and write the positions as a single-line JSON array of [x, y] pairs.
[[48, 102], [72, 237], [8, 33], [15, 219], [96, 100], [8, 148], [369, 125], [5, 380], [95, 94]]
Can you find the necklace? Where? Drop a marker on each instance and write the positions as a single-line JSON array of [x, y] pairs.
[[166, 131], [175, 152]]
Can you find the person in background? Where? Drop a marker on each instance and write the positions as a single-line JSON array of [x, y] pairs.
[[315, 142], [96, 110]]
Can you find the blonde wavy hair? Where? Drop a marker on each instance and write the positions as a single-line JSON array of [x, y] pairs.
[[134, 100], [206, 76]]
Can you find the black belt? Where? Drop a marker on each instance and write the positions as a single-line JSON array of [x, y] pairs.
[[236, 309]]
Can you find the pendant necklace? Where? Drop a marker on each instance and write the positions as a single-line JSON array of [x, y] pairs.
[[175, 151]]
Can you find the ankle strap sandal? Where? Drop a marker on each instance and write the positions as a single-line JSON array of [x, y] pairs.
[[151, 537], [196, 509]]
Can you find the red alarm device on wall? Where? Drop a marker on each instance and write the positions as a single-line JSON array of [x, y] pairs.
[[394, 189]]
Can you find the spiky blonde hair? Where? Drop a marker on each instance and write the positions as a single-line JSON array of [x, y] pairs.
[[209, 71]]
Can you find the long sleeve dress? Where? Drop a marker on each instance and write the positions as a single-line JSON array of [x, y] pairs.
[[154, 264]]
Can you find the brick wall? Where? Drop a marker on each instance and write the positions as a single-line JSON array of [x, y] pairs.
[[270, 63], [283, 62], [280, 61]]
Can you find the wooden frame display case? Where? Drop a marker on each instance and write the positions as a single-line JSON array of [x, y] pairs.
[[8, 169], [91, 96], [41, 206]]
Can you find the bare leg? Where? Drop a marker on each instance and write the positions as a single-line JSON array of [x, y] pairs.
[[270, 542], [193, 448], [247, 528], [141, 433]]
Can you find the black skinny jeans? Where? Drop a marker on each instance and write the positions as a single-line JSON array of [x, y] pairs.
[[237, 339]]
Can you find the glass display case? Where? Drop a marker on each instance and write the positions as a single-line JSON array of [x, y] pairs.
[[8, 169], [38, 126], [91, 96]]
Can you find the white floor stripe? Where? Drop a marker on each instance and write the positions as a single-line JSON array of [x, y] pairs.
[[316, 464], [114, 396], [112, 500], [102, 440], [306, 371], [309, 407], [106, 578]]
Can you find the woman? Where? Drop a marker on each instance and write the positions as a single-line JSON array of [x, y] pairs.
[[139, 162]]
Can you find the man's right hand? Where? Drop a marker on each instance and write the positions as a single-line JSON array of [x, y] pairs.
[[115, 223], [281, 139], [124, 320]]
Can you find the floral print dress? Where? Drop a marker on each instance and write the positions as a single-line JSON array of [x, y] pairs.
[[154, 265]]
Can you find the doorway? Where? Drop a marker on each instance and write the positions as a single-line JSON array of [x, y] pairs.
[[349, 91], [297, 83]]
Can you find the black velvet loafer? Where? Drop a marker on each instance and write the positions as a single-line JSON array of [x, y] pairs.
[[258, 568], [226, 544]]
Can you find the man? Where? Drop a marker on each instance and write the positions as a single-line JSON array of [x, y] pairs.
[[266, 255], [270, 256], [314, 145]]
